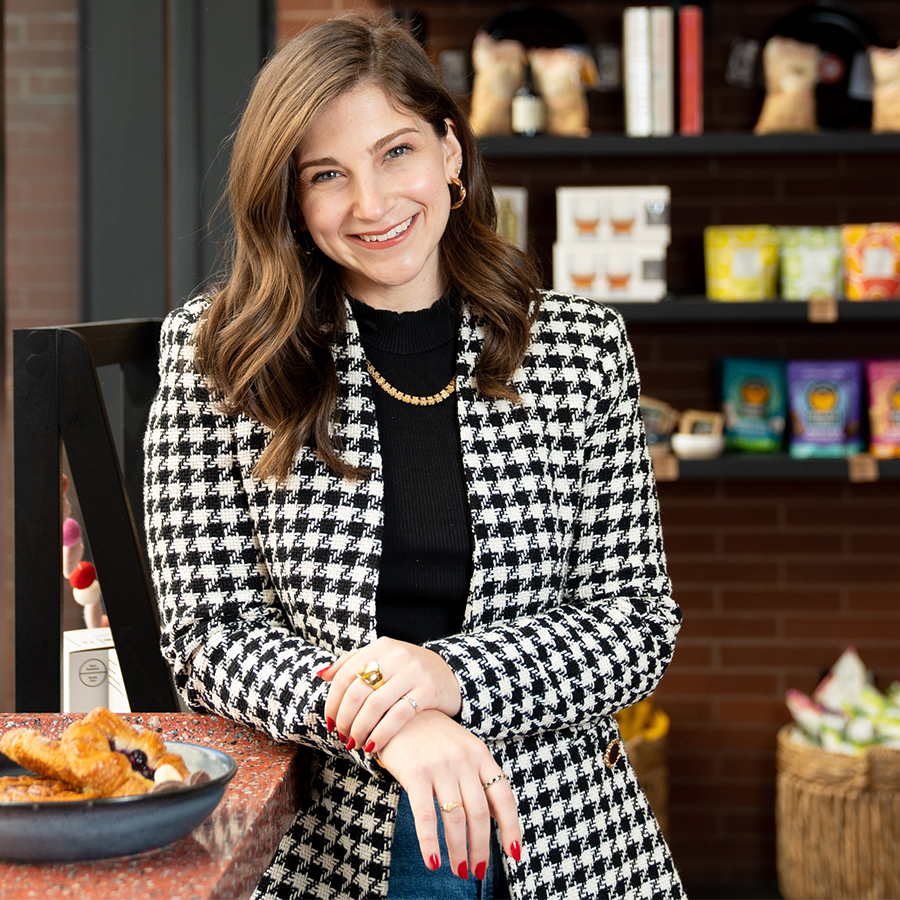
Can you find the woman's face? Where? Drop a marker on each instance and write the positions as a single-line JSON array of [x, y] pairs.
[[374, 196]]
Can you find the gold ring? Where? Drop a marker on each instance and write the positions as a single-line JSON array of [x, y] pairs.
[[449, 807], [372, 675], [494, 780], [411, 702]]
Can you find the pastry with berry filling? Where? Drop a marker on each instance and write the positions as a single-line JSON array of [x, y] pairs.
[[100, 753]]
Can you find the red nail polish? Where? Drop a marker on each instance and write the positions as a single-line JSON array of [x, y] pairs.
[[515, 851], [480, 870], [321, 672], [435, 862], [330, 724], [370, 747], [463, 871], [351, 743]]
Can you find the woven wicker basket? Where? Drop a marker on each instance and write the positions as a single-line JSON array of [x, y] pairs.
[[649, 761], [838, 823]]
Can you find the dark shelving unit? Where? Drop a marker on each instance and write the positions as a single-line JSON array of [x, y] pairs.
[[695, 308], [777, 467], [722, 144]]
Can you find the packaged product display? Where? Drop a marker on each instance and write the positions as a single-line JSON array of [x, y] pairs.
[[872, 261], [610, 270], [612, 242], [512, 214], [790, 70], [811, 263], [754, 403], [825, 400], [886, 89], [741, 262], [883, 379], [587, 214]]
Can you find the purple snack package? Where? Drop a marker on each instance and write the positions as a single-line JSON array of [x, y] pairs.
[[825, 399]]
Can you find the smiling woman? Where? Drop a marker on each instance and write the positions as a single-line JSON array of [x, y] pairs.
[[399, 506]]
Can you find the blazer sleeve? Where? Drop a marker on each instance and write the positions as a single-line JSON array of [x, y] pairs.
[[610, 637], [231, 647]]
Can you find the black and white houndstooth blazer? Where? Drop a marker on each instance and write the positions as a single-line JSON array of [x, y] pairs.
[[569, 616]]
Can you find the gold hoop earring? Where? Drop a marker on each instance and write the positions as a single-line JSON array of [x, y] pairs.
[[462, 193]]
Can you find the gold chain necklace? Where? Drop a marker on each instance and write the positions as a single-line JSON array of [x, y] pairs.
[[409, 398]]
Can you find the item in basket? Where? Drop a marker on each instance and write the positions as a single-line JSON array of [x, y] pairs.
[[754, 403], [741, 262], [872, 261], [825, 400], [883, 377], [846, 713], [811, 263]]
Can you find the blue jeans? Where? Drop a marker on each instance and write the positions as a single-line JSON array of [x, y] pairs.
[[411, 880]]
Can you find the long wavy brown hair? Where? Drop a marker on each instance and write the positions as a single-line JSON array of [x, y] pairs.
[[266, 343]]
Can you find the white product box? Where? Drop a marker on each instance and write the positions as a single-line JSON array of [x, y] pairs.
[[512, 214], [91, 674], [613, 214], [611, 270]]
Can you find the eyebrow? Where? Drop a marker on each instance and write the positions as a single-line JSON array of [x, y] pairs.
[[378, 145]]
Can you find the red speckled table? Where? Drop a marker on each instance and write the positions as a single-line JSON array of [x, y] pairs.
[[222, 859]]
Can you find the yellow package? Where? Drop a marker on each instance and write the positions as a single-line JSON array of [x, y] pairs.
[[741, 262]]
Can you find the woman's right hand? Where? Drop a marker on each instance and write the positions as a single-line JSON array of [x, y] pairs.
[[434, 757]]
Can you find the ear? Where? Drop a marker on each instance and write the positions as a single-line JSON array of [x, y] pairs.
[[453, 155]]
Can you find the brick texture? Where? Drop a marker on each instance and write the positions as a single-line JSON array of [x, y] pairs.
[[775, 579]]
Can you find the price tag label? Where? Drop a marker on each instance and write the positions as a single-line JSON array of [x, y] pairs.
[[823, 309], [862, 467], [665, 467]]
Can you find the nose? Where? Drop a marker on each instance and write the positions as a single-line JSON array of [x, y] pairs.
[[372, 198]]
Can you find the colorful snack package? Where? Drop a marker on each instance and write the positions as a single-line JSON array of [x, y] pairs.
[[883, 377], [811, 263], [741, 262], [872, 261], [825, 399], [754, 403]]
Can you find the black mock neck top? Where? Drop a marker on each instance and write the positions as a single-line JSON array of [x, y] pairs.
[[427, 543]]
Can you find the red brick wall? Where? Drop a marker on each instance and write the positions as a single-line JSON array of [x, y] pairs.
[[42, 217]]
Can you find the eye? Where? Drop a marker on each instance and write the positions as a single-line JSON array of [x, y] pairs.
[[322, 177], [399, 151]]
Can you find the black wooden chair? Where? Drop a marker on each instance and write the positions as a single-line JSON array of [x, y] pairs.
[[58, 401]]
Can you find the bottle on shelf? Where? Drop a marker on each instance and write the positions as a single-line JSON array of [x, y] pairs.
[[529, 112]]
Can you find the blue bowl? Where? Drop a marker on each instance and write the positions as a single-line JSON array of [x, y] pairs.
[[72, 830]]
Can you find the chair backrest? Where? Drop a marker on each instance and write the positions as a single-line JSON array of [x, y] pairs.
[[57, 400]]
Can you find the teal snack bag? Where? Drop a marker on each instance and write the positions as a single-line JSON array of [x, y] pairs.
[[826, 407], [754, 401]]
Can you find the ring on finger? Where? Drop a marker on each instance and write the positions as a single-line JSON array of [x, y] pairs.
[[372, 675], [449, 806], [494, 780], [411, 702]]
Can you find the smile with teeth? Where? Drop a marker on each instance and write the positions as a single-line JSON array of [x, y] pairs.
[[378, 238]]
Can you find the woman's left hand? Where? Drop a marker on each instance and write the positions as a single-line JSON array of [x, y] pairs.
[[415, 679]]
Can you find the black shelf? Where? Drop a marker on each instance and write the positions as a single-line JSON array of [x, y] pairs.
[[776, 467], [696, 308], [722, 144]]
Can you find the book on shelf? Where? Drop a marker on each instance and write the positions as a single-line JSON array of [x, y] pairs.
[[648, 41], [637, 70], [662, 70], [690, 70]]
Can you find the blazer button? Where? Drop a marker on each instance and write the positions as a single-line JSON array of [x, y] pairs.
[[613, 753]]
